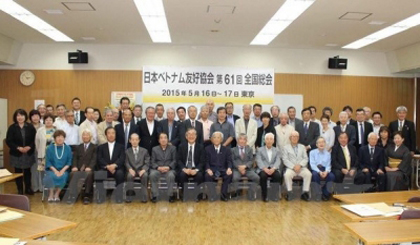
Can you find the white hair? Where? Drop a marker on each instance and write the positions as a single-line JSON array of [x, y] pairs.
[[401, 108], [217, 132], [283, 114], [373, 134], [268, 135], [343, 113], [87, 131]]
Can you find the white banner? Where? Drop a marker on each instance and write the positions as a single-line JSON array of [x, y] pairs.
[[168, 84]]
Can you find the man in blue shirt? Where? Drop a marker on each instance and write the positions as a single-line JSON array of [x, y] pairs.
[[320, 160]]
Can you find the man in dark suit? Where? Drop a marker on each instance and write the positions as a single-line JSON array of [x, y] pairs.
[[171, 127], [219, 163], [308, 130], [293, 120], [344, 160], [406, 127], [79, 115], [231, 118], [126, 129], [84, 162], [110, 164], [149, 129], [372, 162], [342, 126], [191, 160], [363, 128], [124, 104], [191, 123]]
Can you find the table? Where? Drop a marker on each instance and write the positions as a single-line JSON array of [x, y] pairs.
[[32, 242], [33, 226], [387, 197], [385, 232], [8, 178]]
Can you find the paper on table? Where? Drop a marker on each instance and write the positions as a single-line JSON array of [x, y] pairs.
[[4, 173], [373, 209], [9, 215], [8, 241]]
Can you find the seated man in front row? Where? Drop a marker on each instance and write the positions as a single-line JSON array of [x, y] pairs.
[[137, 162], [269, 164], [84, 162], [163, 164], [191, 161], [219, 163], [110, 164], [295, 159]]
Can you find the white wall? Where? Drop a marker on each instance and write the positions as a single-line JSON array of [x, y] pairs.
[[134, 57]]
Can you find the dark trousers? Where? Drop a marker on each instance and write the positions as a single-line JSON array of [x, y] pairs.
[[317, 179], [339, 177], [275, 178], [183, 178], [380, 179], [118, 175], [26, 177], [227, 179], [88, 176]]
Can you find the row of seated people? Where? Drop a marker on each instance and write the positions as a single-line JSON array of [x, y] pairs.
[[391, 168]]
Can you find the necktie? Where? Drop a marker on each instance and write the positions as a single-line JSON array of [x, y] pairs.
[[170, 131], [305, 128], [126, 135], [86, 146], [193, 124], [371, 153], [296, 150], [135, 154], [77, 117], [362, 133], [400, 127], [242, 153], [189, 159], [347, 157]]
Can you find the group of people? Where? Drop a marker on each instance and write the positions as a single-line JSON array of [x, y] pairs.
[[208, 146]]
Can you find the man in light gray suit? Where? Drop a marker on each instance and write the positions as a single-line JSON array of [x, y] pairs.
[[295, 159], [163, 164], [243, 160], [269, 164], [137, 160]]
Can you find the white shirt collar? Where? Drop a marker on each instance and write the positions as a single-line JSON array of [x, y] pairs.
[[111, 143]]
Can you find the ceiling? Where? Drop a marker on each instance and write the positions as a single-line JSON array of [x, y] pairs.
[[118, 22]]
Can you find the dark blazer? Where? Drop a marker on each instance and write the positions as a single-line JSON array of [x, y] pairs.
[[148, 141], [338, 161], [269, 129], [199, 156], [377, 162], [175, 137], [186, 125], [311, 136], [14, 139], [85, 158], [120, 134], [351, 133], [218, 162], [82, 118], [297, 122], [409, 132], [118, 156], [352, 122], [368, 128]]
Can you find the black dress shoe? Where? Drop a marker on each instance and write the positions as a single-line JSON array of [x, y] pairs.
[[289, 196], [305, 196], [154, 199], [325, 198], [224, 198], [172, 199], [86, 200], [29, 192]]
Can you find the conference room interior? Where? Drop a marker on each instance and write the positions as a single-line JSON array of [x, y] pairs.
[[381, 73]]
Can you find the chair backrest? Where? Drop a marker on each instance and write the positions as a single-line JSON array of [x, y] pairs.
[[15, 201], [410, 214]]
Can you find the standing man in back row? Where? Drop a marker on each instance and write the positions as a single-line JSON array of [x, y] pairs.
[[407, 128], [308, 130]]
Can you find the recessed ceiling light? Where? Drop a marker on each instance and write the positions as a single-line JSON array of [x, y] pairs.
[[88, 38], [287, 13], [53, 11], [386, 32], [20, 13], [377, 22]]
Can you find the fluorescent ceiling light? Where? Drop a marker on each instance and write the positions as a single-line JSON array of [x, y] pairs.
[[386, 32], [154, 18], [287, 13], [23, 15]]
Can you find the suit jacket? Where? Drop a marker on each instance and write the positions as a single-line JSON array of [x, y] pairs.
[[14, 139], [291, 159], [103, 157], [235, 118], [81, 119], [263, 161], [351, 133], [248, 160], [375, 163], [269, 129], [101, 131], [368, 128], [251, 133], [409, 132], [186, 125], [198, 155], [175, 136], [297, 122], [352, 122], [311, 136], [142, 162], [161, 158], [120, 136], [218, 161], [338, 161], [85, 158], [148, 141]]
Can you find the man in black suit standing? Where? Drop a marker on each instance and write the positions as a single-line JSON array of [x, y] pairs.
[[126, 129], [192, 123], [219, 163], [406, 127], [191, 161], [124, 104], [149, 129], [363, 128], [79, 115], [372, 162], [343, 127], [171, 127], [308, 130], [110, 164]]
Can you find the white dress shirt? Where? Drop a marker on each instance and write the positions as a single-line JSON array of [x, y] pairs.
[[193, 147], [111, 149], [269, 153], [361, 126], [150, 126], [206, 128], [72, 133]]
